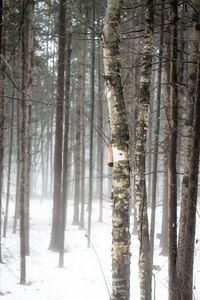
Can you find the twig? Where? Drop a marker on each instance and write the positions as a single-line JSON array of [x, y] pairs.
[[102, 271]]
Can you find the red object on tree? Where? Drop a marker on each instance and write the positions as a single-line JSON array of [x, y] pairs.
[[110, 156]]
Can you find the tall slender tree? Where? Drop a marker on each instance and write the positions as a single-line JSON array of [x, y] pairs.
[[157, 130], [65, 143], [27, 64], [120, 148], [9, 168], [1, 116], [139, 158], [172, 168], [92, 97], [189, 182], [54, 243]]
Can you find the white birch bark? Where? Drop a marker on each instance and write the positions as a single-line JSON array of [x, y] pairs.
[[120, 145]]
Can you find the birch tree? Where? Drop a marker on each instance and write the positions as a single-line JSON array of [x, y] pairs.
[[139, 158], [120, 147]]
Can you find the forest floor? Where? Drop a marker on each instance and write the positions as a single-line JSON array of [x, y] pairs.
[[86, 269]]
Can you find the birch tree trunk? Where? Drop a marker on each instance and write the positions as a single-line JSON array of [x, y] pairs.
[[140, 152], [120, 147]]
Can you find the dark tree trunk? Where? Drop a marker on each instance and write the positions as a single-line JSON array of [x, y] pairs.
[[54, 243], [27, 61], [92, 95], [16, 214], [190, 177], [1, 118], [164, 231], [65, 144], [173, 128], [78, 135], [9, 168], [157, 131], [83, 142], [140, 154], [100, 150]]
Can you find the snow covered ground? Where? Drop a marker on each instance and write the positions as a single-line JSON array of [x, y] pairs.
[[81, 278]]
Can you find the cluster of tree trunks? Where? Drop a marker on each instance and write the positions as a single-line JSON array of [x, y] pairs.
[[179, 67]]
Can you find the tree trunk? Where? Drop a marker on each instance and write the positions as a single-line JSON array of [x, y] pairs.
[[187, 280], [188, 200], [27, 61], [164, 231], [140, 151], [1, 118], [173, 127], [54, 243], [65, 144], [78, 136], [17, 197], [120, 147], [92, 95], [83, 158], [9, 168], [157, 131], [100, 150]]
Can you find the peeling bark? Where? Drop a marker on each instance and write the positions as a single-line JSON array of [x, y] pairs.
[[120, 144]]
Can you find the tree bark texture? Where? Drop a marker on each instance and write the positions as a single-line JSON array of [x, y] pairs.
[[2, 118], [9, 169], [54, 243], [139, 158], [78, 135], [156, 141], [92, 98], [172, 169], [120, 147], [187, 283], [27, 63], [83, 133], [191, 165], [64, 202], [100, 148]]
